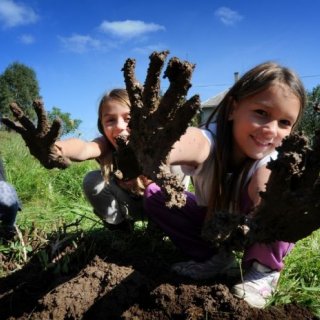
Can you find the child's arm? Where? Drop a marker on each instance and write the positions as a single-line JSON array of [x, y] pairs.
[[258, 183], [192, 149], [79, 150]]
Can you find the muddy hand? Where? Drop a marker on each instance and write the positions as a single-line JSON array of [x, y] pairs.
[[289, 210], [40, 140], [157, 121], [126, 165]]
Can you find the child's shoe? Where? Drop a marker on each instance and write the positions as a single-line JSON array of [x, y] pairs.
[[221, 264], [259, 283]]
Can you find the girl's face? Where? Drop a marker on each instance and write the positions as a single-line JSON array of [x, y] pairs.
[[261, 121], [114, 119]]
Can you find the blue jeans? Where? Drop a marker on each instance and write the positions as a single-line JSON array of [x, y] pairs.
[[9, 204]]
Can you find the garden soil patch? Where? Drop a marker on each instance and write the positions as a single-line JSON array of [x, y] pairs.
[[100, 279]]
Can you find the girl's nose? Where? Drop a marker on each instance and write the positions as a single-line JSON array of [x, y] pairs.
[[121, 124], [270, 128]]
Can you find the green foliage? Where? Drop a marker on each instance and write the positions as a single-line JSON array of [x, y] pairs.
[[18, 84], [43, 192], [299, 281], [311, 119], [68, 125]]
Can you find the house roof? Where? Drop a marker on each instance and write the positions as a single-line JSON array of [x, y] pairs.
[[214, 101]]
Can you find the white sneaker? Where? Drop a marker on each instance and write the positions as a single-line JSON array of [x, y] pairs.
[[259, 283], [220, 264]]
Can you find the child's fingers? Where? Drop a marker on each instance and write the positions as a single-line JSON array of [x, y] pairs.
[[43, 125], [21, 117], [11, 125]]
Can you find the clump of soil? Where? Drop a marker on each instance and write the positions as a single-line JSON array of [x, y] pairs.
[[100, 279]]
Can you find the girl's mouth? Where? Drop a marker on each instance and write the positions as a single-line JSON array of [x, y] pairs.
[[261, 142]]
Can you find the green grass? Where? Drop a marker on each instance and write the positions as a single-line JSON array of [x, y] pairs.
[[53, 204], [300, 279], [49, 197]]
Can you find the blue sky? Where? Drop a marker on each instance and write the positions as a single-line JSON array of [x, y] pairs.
[[78, 47]]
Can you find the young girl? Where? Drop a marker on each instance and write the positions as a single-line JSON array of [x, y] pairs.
[[112, 199], [227, 160]]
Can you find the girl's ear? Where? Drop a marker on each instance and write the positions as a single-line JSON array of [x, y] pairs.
[[233, 107]]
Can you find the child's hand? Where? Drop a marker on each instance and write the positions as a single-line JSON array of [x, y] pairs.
[[126, 165], [289, 210], [158, 120], [40, 140]]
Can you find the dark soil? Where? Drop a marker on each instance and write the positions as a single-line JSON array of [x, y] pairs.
[[100, 278]]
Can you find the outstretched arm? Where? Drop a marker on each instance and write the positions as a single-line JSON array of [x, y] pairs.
[[79, 150]]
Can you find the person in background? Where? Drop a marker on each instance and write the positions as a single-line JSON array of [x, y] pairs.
[[9, 206], [227, 160]]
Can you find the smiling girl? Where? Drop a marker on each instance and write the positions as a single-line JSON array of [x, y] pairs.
[[227, 160], [111, 200]]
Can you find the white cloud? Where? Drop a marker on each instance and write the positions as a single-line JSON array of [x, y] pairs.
[[228, 16], [80, 43], [26, 38], [13, 14], [129, 28]]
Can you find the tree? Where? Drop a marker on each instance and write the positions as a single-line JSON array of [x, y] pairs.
[[18, 84], [311, 119], [68, 125]]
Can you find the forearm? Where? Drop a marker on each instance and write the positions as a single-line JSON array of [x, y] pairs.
[[78, 150]]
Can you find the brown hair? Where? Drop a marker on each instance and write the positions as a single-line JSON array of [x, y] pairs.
[[106, 163], [225, 194]]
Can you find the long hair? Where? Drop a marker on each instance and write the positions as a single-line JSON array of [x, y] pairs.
[[120, 95], [226, 189]]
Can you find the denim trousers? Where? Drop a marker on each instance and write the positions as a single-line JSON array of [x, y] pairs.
[[9, 204]]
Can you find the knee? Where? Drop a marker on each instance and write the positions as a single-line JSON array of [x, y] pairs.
[[8, 195], [93, 183], [153, 199], [151, 190]]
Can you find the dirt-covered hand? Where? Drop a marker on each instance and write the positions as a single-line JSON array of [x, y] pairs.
[[126, 165], [290, 206], [40, 140], [157, 121]]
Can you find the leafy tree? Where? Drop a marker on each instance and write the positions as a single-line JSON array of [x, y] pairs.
[[311, 119], [18, 84], [68, 125]]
